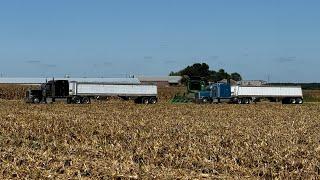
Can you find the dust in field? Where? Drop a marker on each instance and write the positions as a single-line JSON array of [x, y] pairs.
[[120, 139]]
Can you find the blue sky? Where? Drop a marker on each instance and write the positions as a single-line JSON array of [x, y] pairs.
[[279, 39]]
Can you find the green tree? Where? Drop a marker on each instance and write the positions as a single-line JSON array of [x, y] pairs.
[[197, 69], [236, 76], [202, 70]]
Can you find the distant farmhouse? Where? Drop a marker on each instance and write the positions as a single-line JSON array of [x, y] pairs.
[[161, 80]]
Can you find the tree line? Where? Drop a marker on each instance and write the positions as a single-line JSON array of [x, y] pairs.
[[203, 70]]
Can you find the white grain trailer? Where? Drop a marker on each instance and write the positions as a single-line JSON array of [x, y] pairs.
[[140, 93], [286, 94]]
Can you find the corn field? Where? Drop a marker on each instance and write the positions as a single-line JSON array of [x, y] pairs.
[[122, 140], [13, 92]]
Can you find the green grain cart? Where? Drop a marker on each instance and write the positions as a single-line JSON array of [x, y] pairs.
[[194, 85]]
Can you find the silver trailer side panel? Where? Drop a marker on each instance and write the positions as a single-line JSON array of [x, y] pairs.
[[266, 91], [98, 89]]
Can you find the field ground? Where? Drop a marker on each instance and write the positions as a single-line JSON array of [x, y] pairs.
[[311, 95], [118, 139]]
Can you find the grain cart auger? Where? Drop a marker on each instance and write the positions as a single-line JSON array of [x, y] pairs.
[[194, 85]]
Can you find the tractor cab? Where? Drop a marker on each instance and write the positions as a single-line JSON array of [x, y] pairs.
[[194, 85]]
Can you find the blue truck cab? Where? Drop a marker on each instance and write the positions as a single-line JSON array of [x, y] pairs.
[[215, 92]]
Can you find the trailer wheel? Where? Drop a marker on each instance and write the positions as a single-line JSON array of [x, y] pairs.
[[153, 100], [36, 100], [239, 101], [86, 100], [299, 101], [145, 101], [77, 100], [292, 101]]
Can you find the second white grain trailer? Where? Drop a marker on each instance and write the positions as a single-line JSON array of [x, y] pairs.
[[286, 94], [221, 92]]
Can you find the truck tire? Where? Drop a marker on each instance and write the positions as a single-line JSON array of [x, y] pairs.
[[247, 101], [153, 100], [299, 101], [205, 100], [239, 101], [36, 100], [77, 100], [86, 100], [292, 101], [145, 101]]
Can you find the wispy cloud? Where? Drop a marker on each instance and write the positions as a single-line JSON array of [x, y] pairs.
[[38, 63], [170, 62], [164, 44], [33, 62], [103, 64], [214, 58], [286, 59], [147, 57], [49, 65]]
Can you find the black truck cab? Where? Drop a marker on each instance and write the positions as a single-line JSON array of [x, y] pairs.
[[52, 89]]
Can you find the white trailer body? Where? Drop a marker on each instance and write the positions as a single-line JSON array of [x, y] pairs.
[[101, 89], [286, 94], [266, 91]]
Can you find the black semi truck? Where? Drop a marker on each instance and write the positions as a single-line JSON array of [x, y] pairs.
[[83, 92]]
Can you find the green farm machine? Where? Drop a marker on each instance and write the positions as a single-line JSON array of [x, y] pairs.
[[193, 85]]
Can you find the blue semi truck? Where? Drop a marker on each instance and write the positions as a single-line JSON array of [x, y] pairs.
[[222, 92]]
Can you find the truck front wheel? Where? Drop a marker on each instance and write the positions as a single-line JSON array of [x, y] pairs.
[[205, 100], [36, 100]]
